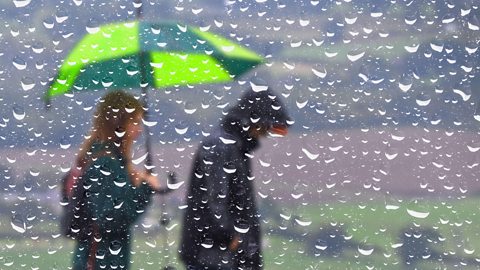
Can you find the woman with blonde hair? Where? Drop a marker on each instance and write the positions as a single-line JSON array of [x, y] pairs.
[[115, 192]]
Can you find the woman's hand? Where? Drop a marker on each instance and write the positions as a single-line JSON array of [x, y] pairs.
[[151, 180], [234, 244], [139, 177]]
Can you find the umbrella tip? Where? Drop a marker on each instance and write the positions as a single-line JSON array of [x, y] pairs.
[[48, 104]]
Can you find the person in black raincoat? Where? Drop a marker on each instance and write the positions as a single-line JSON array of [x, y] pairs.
[[221, 228]]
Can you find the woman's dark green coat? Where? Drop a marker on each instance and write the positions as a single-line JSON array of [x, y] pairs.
[[114, 204]]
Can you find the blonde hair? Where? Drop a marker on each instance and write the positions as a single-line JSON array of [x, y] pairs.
[[116, 110]]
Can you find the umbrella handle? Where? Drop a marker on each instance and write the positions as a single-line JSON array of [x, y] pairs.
[[172, 179]]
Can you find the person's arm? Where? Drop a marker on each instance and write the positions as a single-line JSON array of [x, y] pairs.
[[218, 170]]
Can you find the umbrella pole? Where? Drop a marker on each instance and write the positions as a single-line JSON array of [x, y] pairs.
[[148, 144], [164, 220], [138, 14]]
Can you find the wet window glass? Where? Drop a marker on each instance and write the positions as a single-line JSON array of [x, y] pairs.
[[368, 114]]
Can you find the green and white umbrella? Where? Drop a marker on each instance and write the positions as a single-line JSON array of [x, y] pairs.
[[146, 55], [117, 56]]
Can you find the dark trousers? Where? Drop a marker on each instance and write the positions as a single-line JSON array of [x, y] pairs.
[[202, 267]]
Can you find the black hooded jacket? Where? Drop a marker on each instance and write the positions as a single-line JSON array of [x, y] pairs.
[[221, 198]]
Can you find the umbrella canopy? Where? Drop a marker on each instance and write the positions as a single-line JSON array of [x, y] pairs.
[[118, 55]]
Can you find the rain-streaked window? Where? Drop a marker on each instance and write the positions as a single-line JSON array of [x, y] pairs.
[[379, 169]]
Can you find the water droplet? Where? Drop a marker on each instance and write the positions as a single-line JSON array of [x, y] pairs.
[[18, 225], [27, 83], [330, 54], [355, 55], [303, 223], [410, 19], [34, 172], [411, 49], [65, 143], [436, 47], [140, 159], [321, 74], [120, 182], [474, 23], [19, 63], [197, 11], [391, 207], [473, 147], [295, 44], [448, 18], [242, 228], [107, 82], [404, 87], [92, 27], [38, 47], [230, 169], [321, 244], [118, 203], [365, 251], [207, 243], [301, 102], [391, 154], [18, 112], [476, 114], [304, 22], [258, 87], [190, 108], [48, 23], [465, 94], [115, 247], [297, 196], [351, 20], [149, 123], [151, 242], [227, 141], [309, 154], [264, 162], [335, 148], [417, 214], [174, 186], [133, 70], [120, 134], [398, 135], [100, 254], [21, 3], [181, 128], [423, 100], [104, 172]]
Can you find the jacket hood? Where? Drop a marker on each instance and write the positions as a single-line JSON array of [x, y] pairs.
[[263, 107]]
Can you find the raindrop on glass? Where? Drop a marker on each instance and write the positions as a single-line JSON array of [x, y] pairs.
[[18, 112], [423, 100], [19, 63], [115, 247], [21, 3], [27, 83]]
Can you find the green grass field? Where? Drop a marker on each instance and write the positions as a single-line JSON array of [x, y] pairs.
[[376, 224]]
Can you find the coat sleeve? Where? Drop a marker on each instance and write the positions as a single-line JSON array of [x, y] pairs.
[[114, 203], [218, 170]]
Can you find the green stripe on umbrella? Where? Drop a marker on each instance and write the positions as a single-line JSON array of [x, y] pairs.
[[180, 69], [174, 55]]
